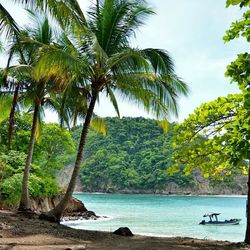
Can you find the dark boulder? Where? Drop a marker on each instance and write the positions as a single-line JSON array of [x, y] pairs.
[[123, 231]]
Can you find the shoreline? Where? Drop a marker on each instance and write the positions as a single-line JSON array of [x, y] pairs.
[[21, 232], [157, 194], [145, 234]]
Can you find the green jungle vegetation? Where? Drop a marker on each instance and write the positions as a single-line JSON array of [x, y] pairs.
[[135, 155], [54, 149]]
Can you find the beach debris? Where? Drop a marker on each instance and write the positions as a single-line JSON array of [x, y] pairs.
[[123, 231], [77, 248]]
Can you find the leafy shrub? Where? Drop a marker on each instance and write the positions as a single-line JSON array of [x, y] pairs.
[[42, 186]]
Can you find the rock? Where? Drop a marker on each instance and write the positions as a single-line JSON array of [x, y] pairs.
[[80, 216], [75, 206], [90, 214], [1, 236], [43, 205], [123, 231]]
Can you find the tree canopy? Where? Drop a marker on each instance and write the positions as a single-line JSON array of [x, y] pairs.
[[207, 139]]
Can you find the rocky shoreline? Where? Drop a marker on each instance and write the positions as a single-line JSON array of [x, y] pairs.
[[88, 215]]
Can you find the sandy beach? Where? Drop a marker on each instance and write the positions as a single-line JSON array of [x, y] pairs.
[[19, 232]]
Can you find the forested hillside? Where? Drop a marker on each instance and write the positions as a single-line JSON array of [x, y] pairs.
[[134, 157]]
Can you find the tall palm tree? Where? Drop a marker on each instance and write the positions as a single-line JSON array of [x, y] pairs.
[[102, 60], [67, 13], [15, 78], [37, 92]]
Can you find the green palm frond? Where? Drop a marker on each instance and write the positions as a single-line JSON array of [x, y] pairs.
[[160, 60], [113, 100], [20, 71], [67, 13], [59, 65], [128, 60], [153, 100], [114, 22], [98, 124], [72, 105], [40, 29], [7, 23], [164, 124]]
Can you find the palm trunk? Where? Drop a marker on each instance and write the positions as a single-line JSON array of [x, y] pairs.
[[75, 119], [58, 210], [12, 115], [247, 235], [25, 201]]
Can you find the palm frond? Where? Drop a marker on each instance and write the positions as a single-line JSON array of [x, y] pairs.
[[7, 23], [67, 13], [98, 124], [160, 60], [60, 66], [164, 124], [113, 100], [113, 22], [128, 60]]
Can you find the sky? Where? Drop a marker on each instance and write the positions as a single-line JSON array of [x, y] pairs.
[[191, 31]]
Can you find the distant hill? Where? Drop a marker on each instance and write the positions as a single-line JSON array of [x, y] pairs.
[[133, 158]]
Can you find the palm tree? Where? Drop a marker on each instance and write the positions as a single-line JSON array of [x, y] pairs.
[[37, 92], [67, 13], [15, 79], [102, 60]]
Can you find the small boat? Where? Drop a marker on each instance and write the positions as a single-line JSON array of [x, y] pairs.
[[213, 220]]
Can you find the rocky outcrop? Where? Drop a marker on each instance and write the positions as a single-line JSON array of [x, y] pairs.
[[75, 210], [40, 205], [201, 186]]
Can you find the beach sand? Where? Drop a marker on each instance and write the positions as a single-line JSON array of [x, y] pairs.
[[19, 232]]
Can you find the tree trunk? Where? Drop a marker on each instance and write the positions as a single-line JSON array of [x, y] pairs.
[[56, 213], [25, 201], [12, 115], [247, 235]]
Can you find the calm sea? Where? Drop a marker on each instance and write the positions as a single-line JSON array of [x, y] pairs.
[[161, 215]]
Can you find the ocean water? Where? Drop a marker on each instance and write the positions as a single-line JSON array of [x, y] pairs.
[[161, 215]]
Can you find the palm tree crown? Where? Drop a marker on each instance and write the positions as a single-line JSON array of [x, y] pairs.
[[98, 58]]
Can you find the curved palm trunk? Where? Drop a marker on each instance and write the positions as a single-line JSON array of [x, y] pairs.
[[247, 235], [58, 210], [25, 201], [12, 115]]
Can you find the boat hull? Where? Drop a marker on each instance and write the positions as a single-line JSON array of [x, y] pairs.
[[221, 223]]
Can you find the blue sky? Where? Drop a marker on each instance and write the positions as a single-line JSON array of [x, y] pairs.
[[191, 31]]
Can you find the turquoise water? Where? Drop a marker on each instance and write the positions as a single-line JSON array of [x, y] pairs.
[[161, 215]]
